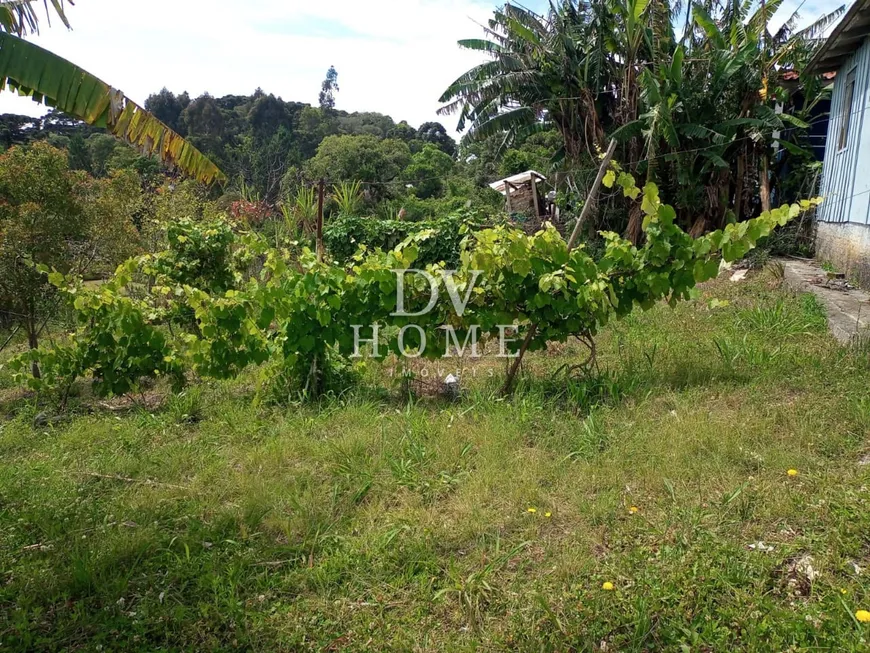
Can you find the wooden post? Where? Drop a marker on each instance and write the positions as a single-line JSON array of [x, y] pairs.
[[590, 200], [320, 193], [534, 181], [593, 195], [507, 193], [765, 180]]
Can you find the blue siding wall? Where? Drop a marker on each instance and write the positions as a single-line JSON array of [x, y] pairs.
[[846, 180]]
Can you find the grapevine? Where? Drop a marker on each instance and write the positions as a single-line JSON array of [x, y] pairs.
[[192, 311]]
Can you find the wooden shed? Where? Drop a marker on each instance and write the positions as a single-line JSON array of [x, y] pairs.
[[522, 194]]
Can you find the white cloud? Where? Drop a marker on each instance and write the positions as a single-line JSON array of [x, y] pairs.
[[392, 56], [809, 11]]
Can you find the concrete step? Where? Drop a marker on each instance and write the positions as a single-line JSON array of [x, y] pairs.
[[848, 308]]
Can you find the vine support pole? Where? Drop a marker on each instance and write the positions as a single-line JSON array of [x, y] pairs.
[[320, 192], [11, 335], [584, 216], [593, 195]]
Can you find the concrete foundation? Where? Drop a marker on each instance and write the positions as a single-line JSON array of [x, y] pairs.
[[846, 246], [848, 311]]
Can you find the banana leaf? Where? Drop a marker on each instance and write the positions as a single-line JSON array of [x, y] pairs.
[[56, 82]]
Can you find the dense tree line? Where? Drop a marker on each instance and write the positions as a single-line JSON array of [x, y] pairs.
[[697, 98], [261, 138], [265, 144]]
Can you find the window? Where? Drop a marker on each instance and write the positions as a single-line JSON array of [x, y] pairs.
[[847, 110]]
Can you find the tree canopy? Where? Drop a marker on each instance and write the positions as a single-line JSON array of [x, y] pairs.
[[689, 93]]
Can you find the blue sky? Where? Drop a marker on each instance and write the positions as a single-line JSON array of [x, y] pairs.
[[392, 56]]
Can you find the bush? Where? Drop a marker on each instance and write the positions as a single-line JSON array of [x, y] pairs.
[[302, 313], [54, 217], [199, 255], [443, 242]]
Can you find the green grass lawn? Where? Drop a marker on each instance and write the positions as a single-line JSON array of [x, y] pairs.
[[368, 523]]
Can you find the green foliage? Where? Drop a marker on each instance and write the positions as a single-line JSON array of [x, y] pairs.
[[186, 407], [347, 198], [79, 154], [536, 152], [114, 204], [55, 217], [436, 240], [168, 108], [428, 171], [301, 313], [42, 217], [688, 91], [366, 159], [229, 330], [118, 342], [784, 319], [172, 201], [199, 255], [300, 210], [434, 133], [413, 209], [101, 148]]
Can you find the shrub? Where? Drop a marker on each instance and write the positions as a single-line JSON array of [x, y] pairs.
[[301, 312], [440, 240], [58, 218], [199, 255]]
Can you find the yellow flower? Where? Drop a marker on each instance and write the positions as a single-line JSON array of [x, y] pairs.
[[633, 509], [863, 616], [607, 586], [844, 591], [548, 514], [792, 472], [532, 510]]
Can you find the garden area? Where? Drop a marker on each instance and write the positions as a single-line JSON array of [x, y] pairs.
[[283, 377], [650, 508]]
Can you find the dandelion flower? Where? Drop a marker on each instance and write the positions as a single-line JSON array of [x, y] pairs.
[[863, 616], [844, 591], [548, 514], [633, 509], [532, 510], [792, 472], [608, 587]]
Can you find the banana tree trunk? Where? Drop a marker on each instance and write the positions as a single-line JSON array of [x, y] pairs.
[[765, 184]]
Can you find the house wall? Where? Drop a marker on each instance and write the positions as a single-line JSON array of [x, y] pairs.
[[843, 236], [846, 246], [846, 181]]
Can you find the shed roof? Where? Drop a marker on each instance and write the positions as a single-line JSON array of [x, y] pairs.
[[516, 180], [847, 37]]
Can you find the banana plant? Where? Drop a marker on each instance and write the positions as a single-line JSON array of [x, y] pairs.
[[20, 16], [544, 72], [47, 78]]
